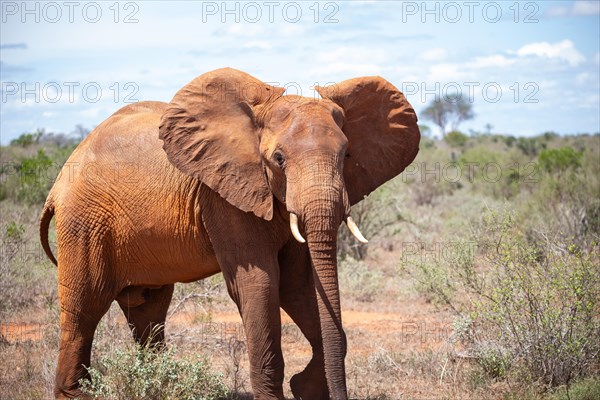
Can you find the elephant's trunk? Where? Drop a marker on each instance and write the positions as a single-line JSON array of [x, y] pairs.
[[323, 211]]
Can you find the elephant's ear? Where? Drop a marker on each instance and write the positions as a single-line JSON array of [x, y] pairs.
[[210, 132], [382, 131]]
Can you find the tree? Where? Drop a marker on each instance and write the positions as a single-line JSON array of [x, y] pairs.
[[80, 132], [425, 130], [448, 113], [27, 139], [488, 128]]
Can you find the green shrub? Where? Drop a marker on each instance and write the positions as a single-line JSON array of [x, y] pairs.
[[27, 139], [567, 194], [528, 307], [585, 389], [509, 140], [456, 138], [15, 231], [475, 160], [498, 174], [530, 146], [549, 135], [34, 179], [559, 160], [142, 373]]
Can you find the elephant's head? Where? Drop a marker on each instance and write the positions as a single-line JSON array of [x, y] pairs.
[[317, 157]]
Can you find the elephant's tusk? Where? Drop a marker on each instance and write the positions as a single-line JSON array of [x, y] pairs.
[[355, 231], [294, 228]]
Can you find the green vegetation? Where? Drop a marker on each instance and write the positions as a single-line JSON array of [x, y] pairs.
[[521, 271], [456, 138], [33, 185], [531, 305], [559, 160], [144, 373], [27, 139], [586, 389]]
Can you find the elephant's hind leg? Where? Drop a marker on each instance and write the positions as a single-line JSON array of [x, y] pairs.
[[146, 312], [81, 308]]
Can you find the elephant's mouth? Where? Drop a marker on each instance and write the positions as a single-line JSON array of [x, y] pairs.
[[349, 222]]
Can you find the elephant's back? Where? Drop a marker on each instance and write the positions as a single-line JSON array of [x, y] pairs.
[[121, 167], [126, 140], [129, 133], [118, 188]]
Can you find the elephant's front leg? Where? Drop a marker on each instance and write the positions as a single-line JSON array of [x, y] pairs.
[[298, 298], [254, 286], [246, 248]]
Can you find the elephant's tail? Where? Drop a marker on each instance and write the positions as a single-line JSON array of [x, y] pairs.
[[47, 214]]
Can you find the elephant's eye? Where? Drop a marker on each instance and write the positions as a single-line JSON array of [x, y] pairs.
[[279, 159]]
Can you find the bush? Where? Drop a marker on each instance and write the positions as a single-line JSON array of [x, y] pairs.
[[525, 307], [27, 139], [456, 138], [568, 194], [500, 175], [24, 282], [34, 182], [559, 160], [586, 389], [509, 140], [143, 373], [530, 146]]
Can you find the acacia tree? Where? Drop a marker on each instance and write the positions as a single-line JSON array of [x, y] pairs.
[[449, 113]]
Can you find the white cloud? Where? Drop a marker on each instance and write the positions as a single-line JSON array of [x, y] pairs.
[[345, 62], [92, 112], [586, 7], [48, 114], [353, 55], [245, 30], [343, 70], [496, 60], [564, 50], [292, 30], [258, 44], [577, 8], [436, 54], [588, 79], [582, 78], [597, 58], [445, 72], [546, 84]]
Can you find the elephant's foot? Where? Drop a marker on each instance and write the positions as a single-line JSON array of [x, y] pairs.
[[310, 384]]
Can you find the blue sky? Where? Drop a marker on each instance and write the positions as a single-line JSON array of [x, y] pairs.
[[528, 67]]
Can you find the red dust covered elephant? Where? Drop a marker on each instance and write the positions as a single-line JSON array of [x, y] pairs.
[[231, 176]]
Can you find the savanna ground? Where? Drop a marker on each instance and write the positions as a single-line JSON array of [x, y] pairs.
[[481, 281]]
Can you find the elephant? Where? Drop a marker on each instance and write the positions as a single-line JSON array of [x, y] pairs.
[[231, 176]]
